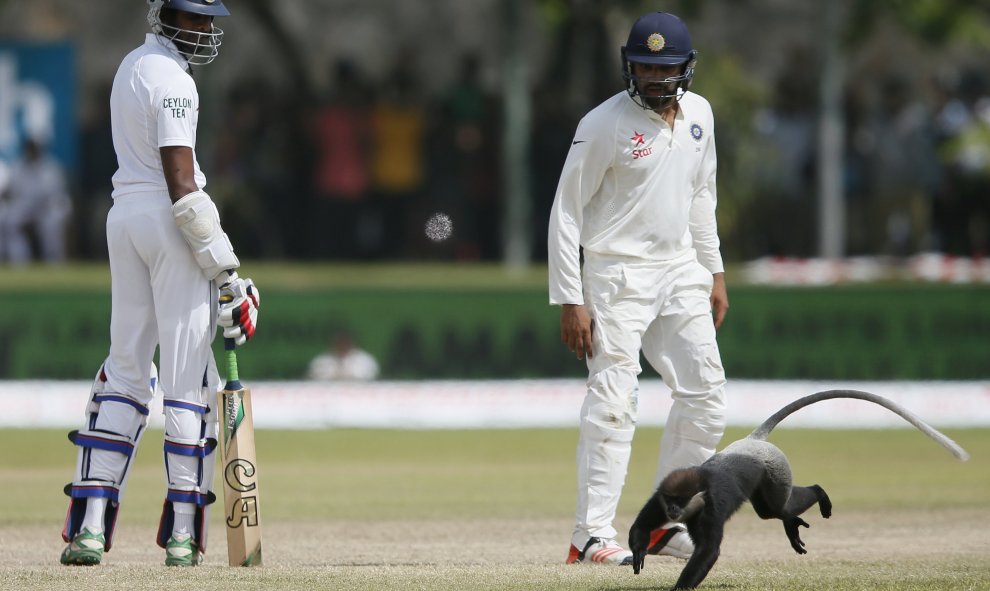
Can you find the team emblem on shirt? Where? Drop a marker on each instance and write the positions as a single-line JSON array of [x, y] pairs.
[[638, 139], [696, 132], [656, 42]]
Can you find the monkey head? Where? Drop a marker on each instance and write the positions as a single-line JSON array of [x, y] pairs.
[[682, 494]]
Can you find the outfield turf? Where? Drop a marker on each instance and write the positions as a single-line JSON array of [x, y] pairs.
[[491, 509]]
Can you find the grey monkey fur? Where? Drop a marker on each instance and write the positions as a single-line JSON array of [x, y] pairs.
[[778, 468], [704, 497]]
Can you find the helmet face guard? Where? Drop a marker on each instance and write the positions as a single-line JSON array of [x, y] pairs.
[[672, 87], [199, 48], [660, 39]]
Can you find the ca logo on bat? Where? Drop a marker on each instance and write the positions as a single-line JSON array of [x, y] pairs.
[[237, 475]]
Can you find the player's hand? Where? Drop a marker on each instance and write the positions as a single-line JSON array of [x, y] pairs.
[[719, 299], [239, 303], [576, 328]]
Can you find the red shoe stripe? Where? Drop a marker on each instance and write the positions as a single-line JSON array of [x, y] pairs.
[[603, 554], [572, 555]]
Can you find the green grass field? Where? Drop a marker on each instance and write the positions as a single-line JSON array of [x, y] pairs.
[[491, 509]]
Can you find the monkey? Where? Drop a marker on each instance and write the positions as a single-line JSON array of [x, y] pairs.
[[705, 497]]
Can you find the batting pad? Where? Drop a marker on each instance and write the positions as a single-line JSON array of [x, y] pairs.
[[190, 444], [115, 425]]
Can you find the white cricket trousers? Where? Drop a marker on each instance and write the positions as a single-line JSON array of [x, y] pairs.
[[160, 298], [663, 310]]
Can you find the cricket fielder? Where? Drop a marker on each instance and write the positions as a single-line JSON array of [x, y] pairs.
[[169, 262], [637, 193]]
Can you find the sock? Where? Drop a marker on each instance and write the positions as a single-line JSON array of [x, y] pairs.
[[93, 520], [185, 516]]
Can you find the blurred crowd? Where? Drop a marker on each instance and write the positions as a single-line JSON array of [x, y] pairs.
[[351, 175], [916, 170], [353, 172]]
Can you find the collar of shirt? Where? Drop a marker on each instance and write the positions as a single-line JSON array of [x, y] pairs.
[[678, 116], [166, 47]]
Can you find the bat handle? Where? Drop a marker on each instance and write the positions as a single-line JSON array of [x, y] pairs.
[[230, 360], [230, 357]]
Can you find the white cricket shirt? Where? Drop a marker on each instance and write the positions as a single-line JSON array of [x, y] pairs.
[[153, 104], [633, 187]]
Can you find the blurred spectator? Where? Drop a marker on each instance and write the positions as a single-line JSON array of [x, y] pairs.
[[343, 361], [786, 167], [256, 161], [903, 171], [341, 178], [553, 129], [97, 165], [473, 118], [37, 204], [463, 166], [4, 181], [961, 211], [398, 126]]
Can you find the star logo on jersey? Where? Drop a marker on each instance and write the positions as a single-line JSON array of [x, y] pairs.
[[638, 139]]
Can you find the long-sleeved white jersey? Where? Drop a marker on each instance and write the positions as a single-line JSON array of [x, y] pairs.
[[633, 187]]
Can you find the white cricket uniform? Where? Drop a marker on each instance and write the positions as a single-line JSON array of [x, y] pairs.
[[160, 295], [639, 198]]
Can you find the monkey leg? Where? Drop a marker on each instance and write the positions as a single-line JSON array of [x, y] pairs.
[[764, 509], [707, 536], [650, 517], [803, 497], [791, 525]]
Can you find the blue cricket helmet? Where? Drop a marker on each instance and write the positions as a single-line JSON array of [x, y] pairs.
[[659, 38]]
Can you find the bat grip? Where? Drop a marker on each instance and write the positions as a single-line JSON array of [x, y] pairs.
[[230, 357], [230, 360]]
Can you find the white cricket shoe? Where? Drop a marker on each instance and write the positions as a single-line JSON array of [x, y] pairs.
[[671, 540], [600, 551]]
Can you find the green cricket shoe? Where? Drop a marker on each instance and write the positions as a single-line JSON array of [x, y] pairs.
[[181, 550], [85, 549]]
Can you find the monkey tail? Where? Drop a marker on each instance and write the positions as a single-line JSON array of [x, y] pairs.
[[763, 431]]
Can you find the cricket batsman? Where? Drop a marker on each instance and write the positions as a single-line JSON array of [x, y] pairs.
[[170, 260]]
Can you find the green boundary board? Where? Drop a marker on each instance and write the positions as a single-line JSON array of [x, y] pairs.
[[882, 332]]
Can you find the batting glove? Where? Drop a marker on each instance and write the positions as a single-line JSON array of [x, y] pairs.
[[239, 303]]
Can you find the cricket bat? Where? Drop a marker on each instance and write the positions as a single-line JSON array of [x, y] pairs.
[[239, 468]]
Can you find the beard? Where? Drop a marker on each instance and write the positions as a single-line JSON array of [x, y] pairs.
[[659, 96]]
